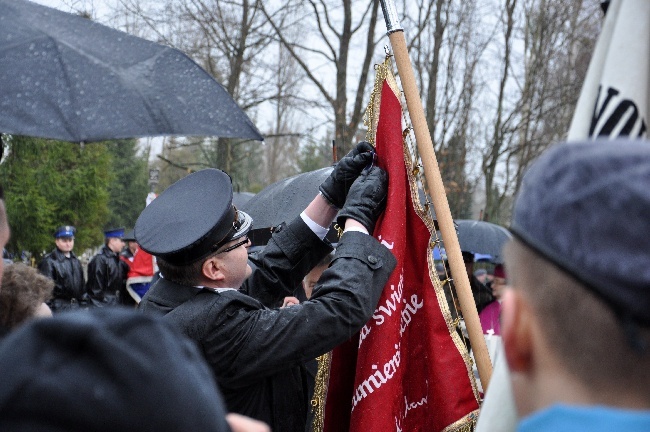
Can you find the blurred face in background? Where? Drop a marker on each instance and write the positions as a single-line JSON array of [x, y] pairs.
[[64, 244], [309, 282], [481, 276], [498, 285], [115, 244]]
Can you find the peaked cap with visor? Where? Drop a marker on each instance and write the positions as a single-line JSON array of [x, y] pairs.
[[191, 219]]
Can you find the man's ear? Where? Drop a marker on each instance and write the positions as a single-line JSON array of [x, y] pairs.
[[211, 269], [516, 330]]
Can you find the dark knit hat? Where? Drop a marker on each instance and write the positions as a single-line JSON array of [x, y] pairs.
[[105, 370], [584, 207]]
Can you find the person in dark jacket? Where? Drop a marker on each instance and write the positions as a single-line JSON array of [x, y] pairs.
[[210, 292], [106, 272], [62, 266]]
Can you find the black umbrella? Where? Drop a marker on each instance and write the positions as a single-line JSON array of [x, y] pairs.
[[241, 198], [282, 202], [482, 238], [66, 77]]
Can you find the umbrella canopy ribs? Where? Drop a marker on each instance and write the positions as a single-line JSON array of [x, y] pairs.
[[68, 78]]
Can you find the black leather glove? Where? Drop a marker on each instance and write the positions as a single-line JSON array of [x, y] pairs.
[[335, 188], [367, 199]]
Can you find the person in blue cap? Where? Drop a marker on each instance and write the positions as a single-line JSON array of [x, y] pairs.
[[576, 321], [106, 272], [62, 266], [211, 292]]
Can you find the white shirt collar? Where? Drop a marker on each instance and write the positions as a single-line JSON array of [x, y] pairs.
[[217, 290]]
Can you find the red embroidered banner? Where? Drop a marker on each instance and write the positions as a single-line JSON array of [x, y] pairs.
[[407, 370]]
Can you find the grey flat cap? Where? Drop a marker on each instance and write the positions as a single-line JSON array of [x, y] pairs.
[[586, 208]]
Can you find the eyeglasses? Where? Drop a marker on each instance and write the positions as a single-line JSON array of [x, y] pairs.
[[235, 246]]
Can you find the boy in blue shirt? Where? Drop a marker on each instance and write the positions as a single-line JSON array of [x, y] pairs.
[[576, 321]]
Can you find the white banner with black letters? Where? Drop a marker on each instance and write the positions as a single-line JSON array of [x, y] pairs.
[[615, 95]]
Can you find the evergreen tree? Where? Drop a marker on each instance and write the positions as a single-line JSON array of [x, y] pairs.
[[315, 155], [50, 183], [129, 188]]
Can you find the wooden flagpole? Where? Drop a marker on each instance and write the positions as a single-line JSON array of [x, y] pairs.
[[439, 198]]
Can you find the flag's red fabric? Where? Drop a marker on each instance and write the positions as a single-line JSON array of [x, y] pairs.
[[411, 372]]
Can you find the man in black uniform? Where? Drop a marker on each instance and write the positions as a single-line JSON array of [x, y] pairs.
[[209, 290], [62, 266], [106, 272]]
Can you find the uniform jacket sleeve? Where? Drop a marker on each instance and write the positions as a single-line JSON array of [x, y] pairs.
[[78, 278], [290, 254], [96, 277], [46, 268], [246, 341]]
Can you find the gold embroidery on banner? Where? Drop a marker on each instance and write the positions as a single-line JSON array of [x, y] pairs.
[[371, 117], [466, 424], [320, 392], [339, 230]]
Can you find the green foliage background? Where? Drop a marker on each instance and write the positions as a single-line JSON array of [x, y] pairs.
[[315, 155], [129, 187], [50, 183]]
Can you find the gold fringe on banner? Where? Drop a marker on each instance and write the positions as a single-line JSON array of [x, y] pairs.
[[371, 117], [320, 392], [466, 424]]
